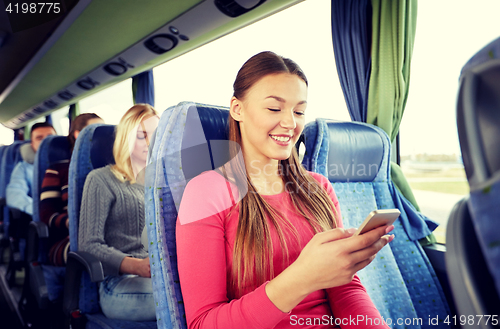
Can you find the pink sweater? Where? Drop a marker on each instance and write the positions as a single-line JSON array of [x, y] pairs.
[[205, 241]]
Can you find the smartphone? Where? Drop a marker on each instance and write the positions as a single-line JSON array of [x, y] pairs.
[[378, 218]]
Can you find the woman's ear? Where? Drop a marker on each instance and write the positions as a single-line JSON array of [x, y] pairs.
[[76, 133], [235, 109]]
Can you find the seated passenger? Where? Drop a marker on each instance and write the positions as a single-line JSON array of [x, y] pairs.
[[260, 241], [112, 220], [20, 188], [54, 196]]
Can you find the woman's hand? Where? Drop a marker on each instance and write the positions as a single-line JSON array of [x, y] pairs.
[[330, 259], [136, 266]]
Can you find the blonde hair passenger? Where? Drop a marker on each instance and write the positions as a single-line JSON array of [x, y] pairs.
[[112, 220], [133, 127]]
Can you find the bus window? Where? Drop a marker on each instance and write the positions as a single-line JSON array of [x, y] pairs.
[[207, 74], [6, 135], [430, 151], [60, 121], [110, 103]]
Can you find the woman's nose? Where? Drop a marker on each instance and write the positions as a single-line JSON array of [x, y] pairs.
[[288, 120]]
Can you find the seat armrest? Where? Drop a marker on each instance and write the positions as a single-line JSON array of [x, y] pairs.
[[470, 279], [78, 262], [42, 230], [36, 231]]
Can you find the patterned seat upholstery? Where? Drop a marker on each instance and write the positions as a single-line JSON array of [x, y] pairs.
[[179, 151], [93, 149], [473, 240], [355, 158]]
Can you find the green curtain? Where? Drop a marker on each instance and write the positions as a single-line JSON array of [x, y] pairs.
[[393, 35]]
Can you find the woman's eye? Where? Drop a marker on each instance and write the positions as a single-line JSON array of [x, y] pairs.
[[141, 135], [274, 110], [299, 113]]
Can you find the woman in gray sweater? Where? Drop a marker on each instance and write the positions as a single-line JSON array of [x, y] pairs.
[[112, 220]]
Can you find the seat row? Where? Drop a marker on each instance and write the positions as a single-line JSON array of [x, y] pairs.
[[9, 157], [355, 158]]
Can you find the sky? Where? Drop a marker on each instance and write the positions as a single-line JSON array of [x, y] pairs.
[[448, 33]]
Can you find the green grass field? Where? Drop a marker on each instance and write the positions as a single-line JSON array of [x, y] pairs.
[[460, 188]]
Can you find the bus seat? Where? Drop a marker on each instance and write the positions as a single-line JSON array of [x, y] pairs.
[[93, 149], [9, 159], [475, 277], [470, 278], [179, 151], [2, 200], [2, 203], [355, 158], [44, 282]]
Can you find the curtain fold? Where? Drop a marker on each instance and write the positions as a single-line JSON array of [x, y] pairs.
[[143, 88], [393, 36], [373, 45], [351, 36]]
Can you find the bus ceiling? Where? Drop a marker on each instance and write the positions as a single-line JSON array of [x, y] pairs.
[[91, 45]]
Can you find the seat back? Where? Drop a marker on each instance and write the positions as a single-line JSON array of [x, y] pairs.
[[2, 200], [53, 149], [3, 148], [190, 138], [355, 157], [10, 159], [93, 149], [478, 122]]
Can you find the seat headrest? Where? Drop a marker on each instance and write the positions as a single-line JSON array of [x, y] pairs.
[[9, 159], [204, 141], [478, 116], [490, 52], [12, 154], [53, 149], [355, 152], [347, 151], [102, 140]]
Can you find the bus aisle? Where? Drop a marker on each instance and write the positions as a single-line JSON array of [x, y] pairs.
[[9, 320]]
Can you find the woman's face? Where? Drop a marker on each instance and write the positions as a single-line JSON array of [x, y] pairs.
[[271, 116], [143, 136]]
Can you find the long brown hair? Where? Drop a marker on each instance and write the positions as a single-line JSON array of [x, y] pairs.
[[78, 124], [253, 250]]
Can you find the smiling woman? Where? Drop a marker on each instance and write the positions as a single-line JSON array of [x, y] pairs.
[[278, 250]]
